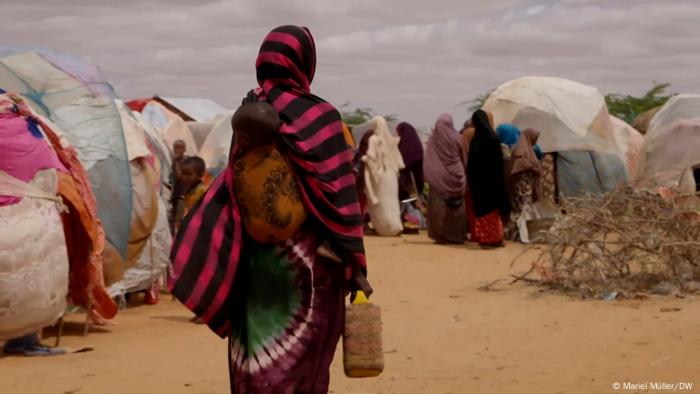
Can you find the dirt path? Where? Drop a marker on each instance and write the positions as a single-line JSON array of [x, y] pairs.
[[441, 335]]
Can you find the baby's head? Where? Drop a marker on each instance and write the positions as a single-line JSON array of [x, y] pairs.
[[192, 170], [255, 124]]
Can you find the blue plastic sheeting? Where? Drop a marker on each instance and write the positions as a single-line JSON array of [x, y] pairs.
[[584, 172], [94, 127]]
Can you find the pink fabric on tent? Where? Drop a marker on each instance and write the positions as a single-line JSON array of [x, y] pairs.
[[23, 153]]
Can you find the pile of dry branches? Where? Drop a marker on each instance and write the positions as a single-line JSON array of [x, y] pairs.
[[620, 245]]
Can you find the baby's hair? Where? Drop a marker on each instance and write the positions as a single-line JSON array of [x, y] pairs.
[[197, 163]]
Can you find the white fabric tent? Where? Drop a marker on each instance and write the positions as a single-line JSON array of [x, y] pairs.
[[134, 133], [216, 147], [153, 260], [683, 106], [630, 144], [171, 126], [673, 143], [33, 262], [672, 152], [198, 109], [569, 115], [201, 130]]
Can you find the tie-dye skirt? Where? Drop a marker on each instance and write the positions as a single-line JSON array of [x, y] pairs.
[[288, 315]]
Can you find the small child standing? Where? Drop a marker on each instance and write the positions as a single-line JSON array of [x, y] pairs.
[[192, 171]]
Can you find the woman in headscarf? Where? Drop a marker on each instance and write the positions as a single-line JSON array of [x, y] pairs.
[[467, 136], [524, 181], [486, 183], [382, 165], [281, 305], [508, 134], [411, 149], [360, 167], [525, 171], [443, 169]]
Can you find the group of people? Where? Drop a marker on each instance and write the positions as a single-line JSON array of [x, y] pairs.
[[480, 179], [477, 181]]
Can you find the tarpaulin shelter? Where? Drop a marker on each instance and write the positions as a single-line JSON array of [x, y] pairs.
[[673, 144], [146, 258], [192, 109], [75, 96], [171, 126], [574, 123], [630, 144], [215, 150], [33, 258], [201, 130], [84, 234], [34, 262], [643, 120]]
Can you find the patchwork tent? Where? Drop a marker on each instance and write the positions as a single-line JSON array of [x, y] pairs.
[[574, 123], [77, 98], [33, 255], [126, 158], [149, 237], [673, 144]]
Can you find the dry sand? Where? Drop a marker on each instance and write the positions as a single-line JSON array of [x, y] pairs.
[[441, 335]]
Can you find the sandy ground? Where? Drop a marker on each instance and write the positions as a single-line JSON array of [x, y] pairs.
[[441, 335]]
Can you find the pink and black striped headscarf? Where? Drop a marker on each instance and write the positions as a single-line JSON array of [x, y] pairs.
[[207, 248]]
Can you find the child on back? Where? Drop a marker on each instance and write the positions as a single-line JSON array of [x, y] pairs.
[[192, 170]]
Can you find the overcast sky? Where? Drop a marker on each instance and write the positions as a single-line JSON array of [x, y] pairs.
[[411, 58]]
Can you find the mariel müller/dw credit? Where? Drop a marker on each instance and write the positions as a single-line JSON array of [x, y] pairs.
[[678, 386]]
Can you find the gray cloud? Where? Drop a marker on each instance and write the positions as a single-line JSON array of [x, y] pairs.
[[412, 58]]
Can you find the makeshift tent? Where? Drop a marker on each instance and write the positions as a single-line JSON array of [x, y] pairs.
[[83, 231], [73, 95], [573, 121], [33, 256], [153, 260], [683, 106], [215, 149], [630, 144], [672, 154], [643, 120], [201, 130], [149, 240], [673, 144], [192, 109], [158, 147], [171, 126]]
